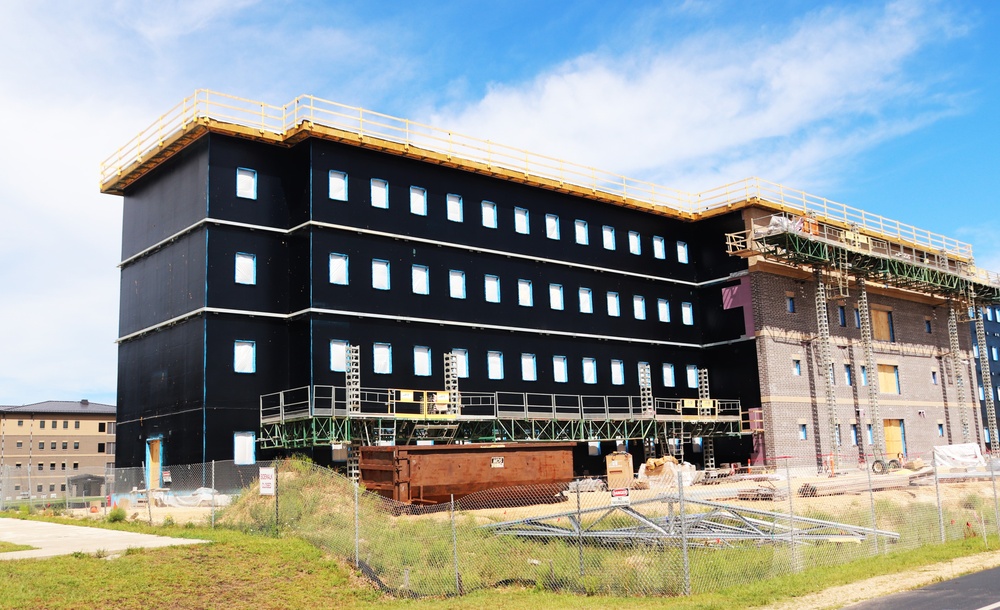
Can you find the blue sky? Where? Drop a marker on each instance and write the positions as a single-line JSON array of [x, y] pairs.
[[892, 107]]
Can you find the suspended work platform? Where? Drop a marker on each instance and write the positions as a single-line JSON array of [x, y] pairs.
[[929, 266], [320, 415]]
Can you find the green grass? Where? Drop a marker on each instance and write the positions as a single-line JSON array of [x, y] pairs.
[[239, 569], [8, 547]]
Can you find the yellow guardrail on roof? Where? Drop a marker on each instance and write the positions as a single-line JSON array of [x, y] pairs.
[[281, 121]]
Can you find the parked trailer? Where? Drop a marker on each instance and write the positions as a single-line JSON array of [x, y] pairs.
[[430, 474]]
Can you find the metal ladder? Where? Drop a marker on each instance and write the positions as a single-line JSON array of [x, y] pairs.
[[451, 382], [353, 379], [645, 389], [871, 374], [354, 462], [955, 363], [826, 367], [984, 368], [707, 443]]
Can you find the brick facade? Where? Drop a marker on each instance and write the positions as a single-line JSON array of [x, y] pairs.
[[793, 395]]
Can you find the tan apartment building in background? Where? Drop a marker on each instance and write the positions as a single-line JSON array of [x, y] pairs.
[[55, 448]]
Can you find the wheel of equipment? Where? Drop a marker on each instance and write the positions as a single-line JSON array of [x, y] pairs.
[[878, 467], [894, 465]]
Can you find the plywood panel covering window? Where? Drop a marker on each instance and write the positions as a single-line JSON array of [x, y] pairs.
[[888, 379], [882, 325]]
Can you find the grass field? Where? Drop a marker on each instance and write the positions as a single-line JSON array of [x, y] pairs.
[[7, 547], [245, 570]]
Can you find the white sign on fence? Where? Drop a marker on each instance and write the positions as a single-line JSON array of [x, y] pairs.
[[620, 497], [268, 481]]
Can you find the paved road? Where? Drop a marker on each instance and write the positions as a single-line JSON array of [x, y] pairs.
[[979, 591], [53, 539]]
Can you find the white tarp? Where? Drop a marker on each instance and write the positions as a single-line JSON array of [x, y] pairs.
[[967, 455]]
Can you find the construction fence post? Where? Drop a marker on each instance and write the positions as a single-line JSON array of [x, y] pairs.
[[871, 501], [454, 548], [996, 507], [357, 529], [937, 492], [276, 492], [793, 552], [579, 529], [213, 494], [684, 542]]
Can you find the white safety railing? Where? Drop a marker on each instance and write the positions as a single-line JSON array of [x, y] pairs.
[[278, 122]]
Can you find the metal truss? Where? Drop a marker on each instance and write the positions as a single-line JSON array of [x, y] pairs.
[[705, 524]]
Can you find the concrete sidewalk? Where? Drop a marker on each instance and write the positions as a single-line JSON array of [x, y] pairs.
[[53, 539]]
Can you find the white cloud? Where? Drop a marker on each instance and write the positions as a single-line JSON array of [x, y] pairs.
[[724, 104]]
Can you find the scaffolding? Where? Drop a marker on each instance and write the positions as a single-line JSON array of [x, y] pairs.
[[863, 253]]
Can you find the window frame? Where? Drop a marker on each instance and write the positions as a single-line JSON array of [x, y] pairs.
[[244, 368], [663, 310], [557, 299], [608, 237], [589, 365], [386, 349], [614, 304], [687, 313], [529, 367], [422, 356], [247, 258], [617, 371], [346, 273], [251, 174], [560, 365], [659, 248], [585, 296], [377, 185], [420, 279], [490, 216], [581, 232], [525, 293], [453, 286], [418, 201], [669, 375], [638, 307], [330, 185], [683, 253], [338, 350], [454, 208], [379, 263], [552, 227], [494, 365], [522, 221], [494, 281], [634, 243]]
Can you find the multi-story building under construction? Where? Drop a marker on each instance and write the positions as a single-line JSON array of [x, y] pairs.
[[316, 275]]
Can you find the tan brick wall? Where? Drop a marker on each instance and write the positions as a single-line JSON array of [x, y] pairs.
[[789, 400]]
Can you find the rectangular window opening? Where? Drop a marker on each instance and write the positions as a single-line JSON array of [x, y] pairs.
[[614, 305], [692, 375], [456, 284], [380, 194], [521, 221], [581, 234], [338, 269], [422, 361], [461, 362], [608, 237], [338, 355], [246, 183], [529, 372], [556, 296], [489, 215], [380, 274], [639, 307], [492, 288], [418, 201], [663, 310], [659, 248], [420, 279], [586, 301], [668, 375], [338, 185], [494, 365], [617, 372], [682, 252], [382, 358], [551, 226], [525, 298], [245, 271], [687, 314], [244, 356], [455, 213], [560, 372], [634, 243], [590, 371]]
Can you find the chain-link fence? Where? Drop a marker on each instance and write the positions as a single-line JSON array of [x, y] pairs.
[[665, 536], [679, 532]]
